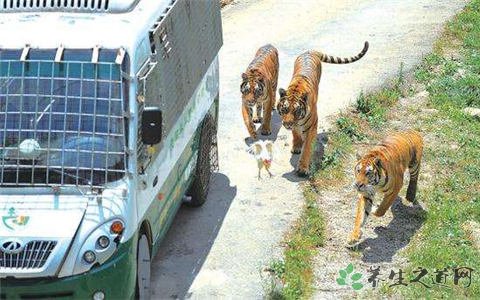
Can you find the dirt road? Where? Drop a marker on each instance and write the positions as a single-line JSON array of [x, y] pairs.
[[220, 249]]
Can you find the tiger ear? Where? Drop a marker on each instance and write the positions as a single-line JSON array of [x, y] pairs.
[[282, 92], [378, 162], [305, 98], [244, 76]]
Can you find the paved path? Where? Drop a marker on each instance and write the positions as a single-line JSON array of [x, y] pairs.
[[220, 249]]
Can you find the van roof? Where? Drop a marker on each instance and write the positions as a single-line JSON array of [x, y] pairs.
[[82, 29], [88, 6]]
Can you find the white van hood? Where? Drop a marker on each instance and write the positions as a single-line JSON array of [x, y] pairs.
[[40, 224], [48, 216], [58, 224]]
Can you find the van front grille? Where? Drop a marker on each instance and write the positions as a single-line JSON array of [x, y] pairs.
[[32, 256]]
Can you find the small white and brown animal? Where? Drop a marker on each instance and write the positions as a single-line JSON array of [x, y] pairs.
[[263, 153]]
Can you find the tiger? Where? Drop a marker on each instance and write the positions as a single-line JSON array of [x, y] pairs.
[[382, 170], [258, 88], [297, 106]]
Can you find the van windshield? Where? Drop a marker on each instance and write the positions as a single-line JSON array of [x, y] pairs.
[[61, 123]]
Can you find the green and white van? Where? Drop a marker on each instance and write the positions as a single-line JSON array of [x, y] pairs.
[[108, 117]]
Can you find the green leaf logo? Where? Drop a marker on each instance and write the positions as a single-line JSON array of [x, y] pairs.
[[356, 276], [349, 268], [357, 286], [352, 281]]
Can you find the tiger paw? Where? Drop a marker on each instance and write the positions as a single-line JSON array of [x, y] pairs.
[[352, 244], [302, 173], [257, 120], [296, 150], [265, 131], [353, 241]]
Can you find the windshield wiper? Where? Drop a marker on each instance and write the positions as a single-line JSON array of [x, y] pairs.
[[66, 85], [45, 110]]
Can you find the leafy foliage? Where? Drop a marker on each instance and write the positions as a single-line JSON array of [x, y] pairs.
[[350, 128]]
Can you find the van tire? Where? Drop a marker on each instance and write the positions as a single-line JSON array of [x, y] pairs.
[[142, 286], [203, 171]]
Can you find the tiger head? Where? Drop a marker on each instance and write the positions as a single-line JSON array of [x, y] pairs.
[[292, 107], [369, 173], [253, 88]]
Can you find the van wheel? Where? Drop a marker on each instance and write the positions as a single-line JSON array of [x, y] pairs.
[[203, 171], [142, 290]]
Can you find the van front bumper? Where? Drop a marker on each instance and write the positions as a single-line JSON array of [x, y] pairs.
[[115, 278]]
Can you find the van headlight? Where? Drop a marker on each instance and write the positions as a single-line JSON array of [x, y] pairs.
[[100, 245], [89, 256], [103, 241]]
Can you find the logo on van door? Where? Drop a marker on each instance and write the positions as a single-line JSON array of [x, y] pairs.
[[15, 221]]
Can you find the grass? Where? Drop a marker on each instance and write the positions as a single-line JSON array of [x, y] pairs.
[[451, 75], [307, 236], [453, 198], [350, 128]]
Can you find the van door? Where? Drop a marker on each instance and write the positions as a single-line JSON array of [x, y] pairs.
[[184, 42]]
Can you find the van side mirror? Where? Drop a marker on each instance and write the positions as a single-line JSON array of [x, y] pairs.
[[151, 125]]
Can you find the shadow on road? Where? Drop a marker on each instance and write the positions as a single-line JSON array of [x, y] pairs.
[[315, 161], [189, 240], [405, 223], [276, 125]]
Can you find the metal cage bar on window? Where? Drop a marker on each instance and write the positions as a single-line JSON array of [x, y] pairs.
[[61, 123]]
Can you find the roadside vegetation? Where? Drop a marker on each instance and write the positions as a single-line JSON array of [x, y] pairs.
[[447, 82], [451, 75]]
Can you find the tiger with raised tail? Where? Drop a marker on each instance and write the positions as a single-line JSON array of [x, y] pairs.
[[298, 104], [382, 170], [258, 88]]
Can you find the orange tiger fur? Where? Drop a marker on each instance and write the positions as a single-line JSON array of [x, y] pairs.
[[382, 169], [298, 104], [258, 88]]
